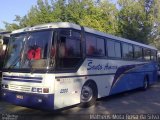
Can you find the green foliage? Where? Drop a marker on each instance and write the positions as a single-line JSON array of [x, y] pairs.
[[41, 13], [135, 20], [100, 16], [11, 26], [156, 27]]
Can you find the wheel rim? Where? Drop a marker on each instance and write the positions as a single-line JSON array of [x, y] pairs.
[[87, 94]]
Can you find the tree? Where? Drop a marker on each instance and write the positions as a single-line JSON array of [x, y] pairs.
[[135, 20], [11, 26], [155, 35], [97, 15], [100, 16], [59, 11], [41, 13]]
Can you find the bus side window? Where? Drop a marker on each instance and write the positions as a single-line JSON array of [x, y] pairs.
[[69, 49], [147, 54], [153, 55], [127, 51], [94, 46], [90, 45], [113, 48], [100, 47], [91, 50], [137, 52]]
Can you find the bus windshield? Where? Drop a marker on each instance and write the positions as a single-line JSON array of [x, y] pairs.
[[29, 50]]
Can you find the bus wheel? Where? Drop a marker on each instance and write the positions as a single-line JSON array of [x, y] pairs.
[[88, 94], [145, 83]]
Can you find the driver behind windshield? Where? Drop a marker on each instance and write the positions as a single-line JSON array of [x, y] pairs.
[[34, 53]]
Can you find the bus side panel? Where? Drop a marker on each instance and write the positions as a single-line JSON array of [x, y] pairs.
[[120, 85], [127, 82], [67, 91], [103, 83], [106, 72], [134, 78], [148, 69], [153, 73]]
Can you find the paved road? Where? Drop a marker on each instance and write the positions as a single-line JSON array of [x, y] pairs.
[[132, 102]]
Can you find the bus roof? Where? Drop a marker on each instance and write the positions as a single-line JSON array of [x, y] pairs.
[[78, 27]]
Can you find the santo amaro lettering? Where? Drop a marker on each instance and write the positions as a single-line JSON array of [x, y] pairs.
[[93, 66]]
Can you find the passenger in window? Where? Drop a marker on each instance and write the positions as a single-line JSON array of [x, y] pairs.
[[62, 48], [91, 50], [53, 52], [34, 53]]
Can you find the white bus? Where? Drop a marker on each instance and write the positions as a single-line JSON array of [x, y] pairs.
[[56, 65]]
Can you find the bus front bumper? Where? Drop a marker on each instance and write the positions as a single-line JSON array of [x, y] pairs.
[[31, 100]]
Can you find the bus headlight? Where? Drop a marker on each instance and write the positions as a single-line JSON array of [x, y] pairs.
[[39, 90], [34, 89], [4, 86]]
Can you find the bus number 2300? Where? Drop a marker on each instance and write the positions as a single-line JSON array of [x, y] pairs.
[[64, 90]]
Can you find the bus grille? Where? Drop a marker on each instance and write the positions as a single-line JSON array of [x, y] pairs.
[[22, 79], [19, 88]]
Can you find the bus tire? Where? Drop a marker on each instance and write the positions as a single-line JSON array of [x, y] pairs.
[[89, 94], [145, 83]]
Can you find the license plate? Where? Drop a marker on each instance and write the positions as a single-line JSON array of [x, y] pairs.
[[19, 96]]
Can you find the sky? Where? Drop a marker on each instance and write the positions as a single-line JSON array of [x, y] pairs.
[[10, 8]]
